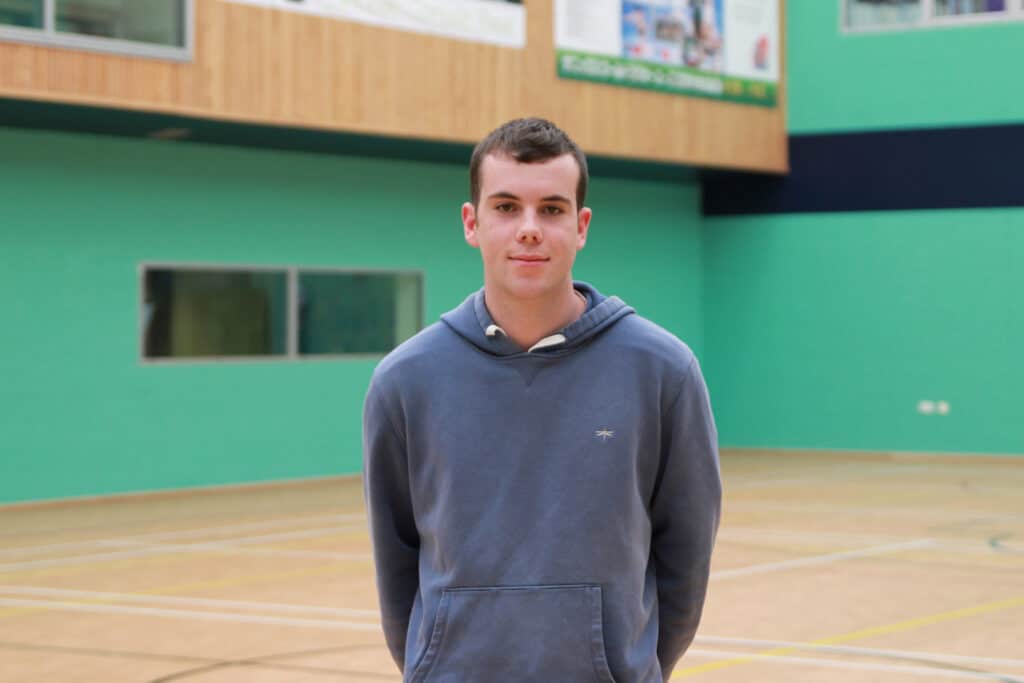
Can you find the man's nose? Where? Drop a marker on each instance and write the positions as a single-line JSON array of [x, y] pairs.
[[529, 232]]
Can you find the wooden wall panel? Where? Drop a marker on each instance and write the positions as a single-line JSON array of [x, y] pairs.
[[266, 66]]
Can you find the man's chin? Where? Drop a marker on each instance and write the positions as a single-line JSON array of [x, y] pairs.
[[527, 290]]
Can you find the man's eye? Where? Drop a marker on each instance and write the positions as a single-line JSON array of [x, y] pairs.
[[505, 208], [553, 210]]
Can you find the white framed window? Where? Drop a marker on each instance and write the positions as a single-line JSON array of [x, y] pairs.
[[160, 29], [887, 15], [201, 312]]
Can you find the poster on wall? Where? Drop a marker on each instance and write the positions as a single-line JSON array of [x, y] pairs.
[[722, 49], [497, 22]]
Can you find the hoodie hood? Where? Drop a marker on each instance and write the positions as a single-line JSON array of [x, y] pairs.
[[473, 322]]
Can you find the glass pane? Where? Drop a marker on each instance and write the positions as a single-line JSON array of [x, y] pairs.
[[952, 7], [875, 13], [204, 313], [357, 312], [27, 13], [160, 22]]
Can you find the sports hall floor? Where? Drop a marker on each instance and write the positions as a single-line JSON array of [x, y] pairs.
[[829, 567]]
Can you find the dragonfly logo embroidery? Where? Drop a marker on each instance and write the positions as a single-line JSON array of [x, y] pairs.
[[604, 434]]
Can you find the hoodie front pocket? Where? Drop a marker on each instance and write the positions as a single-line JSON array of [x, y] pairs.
[[516, 634]]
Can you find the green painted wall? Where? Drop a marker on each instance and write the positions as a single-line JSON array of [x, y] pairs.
[[963, 75], [81, 416], [824, 331]]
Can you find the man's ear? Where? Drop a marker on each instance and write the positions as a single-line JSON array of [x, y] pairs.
[[583, 227], [469, 225]]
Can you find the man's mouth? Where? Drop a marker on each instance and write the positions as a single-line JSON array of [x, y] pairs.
[[529, 258]]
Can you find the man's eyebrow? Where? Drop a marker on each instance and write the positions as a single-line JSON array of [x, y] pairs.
[[549, 198]]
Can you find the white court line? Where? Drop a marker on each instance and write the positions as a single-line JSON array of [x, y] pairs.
[[769, 483], [164, 550], [753, 533], [870, 652], [933, 672], [242, 550], [820, 559], [766, 537], [59, 605], [78, 559], [182, 533], [342, 625], [247, 540], [196, 602], [869, 510]]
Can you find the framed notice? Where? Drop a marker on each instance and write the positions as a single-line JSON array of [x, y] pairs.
[[721, 49], [498, 22]]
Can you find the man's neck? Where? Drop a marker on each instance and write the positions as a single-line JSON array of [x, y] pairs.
[[528, 321]]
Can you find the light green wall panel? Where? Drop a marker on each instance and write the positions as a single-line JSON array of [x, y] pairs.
[[825, 331], [955, 76], [82, 416], [645, 247]]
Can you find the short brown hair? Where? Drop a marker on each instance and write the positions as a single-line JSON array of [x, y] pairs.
[[527, 141]]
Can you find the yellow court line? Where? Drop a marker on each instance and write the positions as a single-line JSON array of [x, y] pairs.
[[911, 624], [899, 626]]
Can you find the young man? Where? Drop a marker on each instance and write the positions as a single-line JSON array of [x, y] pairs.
[[541, 466]]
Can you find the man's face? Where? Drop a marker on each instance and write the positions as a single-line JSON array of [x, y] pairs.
[[527, 225]]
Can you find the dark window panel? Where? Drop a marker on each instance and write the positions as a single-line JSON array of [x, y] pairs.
[[156, 22], [214, 313], [23, 13], [357, 313]]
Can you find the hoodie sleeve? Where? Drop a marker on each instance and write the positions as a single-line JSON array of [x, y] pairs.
[[393, 531], [684, 513]]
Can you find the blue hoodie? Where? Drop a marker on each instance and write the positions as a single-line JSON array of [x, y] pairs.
[[544, 515]]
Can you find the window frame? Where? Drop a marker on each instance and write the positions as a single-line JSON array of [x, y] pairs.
[[291, 273], [49, 36], [1014, 12]]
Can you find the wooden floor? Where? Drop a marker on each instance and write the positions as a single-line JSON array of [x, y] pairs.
[[828, 568]]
